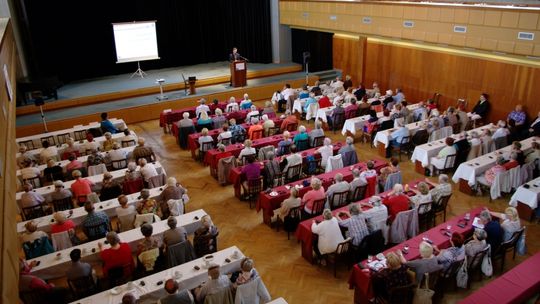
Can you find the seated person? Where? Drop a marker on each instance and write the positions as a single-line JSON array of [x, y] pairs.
[[422, 196], [516, 148], [237, 131], [205, 121], [110, 188], [517, 118], [285, 144], [185, 122], [396, 202], [512, 163], [29, 171], [291, 202], [217, 283], [246, 103], [203, 237], [290, 160], [324, 101], [30, 198], [310, 100], [355, 223], [125, 209], [289, 120], [93, 219], [393, 167], [146, 204], [232, 105], [252, 114], [440, 160], [316, 132], [148, 242], [90, 144], [268, 109], [118, 255], [396, 137], [53, 172], [78, 269], [201, 108], [95, 158], [117, 154], [315, 194], [248, 150], [267, 124], [494, 231], [329, 234], [205, 138], [175, 294], [510, 222], [108, 143], [251, 171], [219, 119], [175, 234], [148, 170], [452, 254], [225, 134], [395, 275], [143, 151], [215, 105], [427, 263], [132, 173], [256, 127], [477, 244], [339, 185], [490, 173], [326, 151], [502, 130], [352, 109], [31, 233], [49, 151], [61, 224], [301, 138], [348, 152]]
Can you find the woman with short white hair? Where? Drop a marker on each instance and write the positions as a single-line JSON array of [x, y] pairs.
[[502, 130], [173, 191], [301, 139], [248, 150], [252, 115], [326, 151], [511, 222], [219, 119], [329, 234], [426, 264], [246, 103], [232, 105], [186, 121], [204, 138]]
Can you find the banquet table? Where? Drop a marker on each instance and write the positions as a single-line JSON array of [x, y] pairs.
[[190, 278], [357, 123], [268, 203], [83, 159], [175, 115], [54, 266], [467, 171], [239, 119], [525, 199], [193, 139], [278, 301], [360, 279], [36, 139], [236, 176], [323, 112], [117, 137], [422, 154], [77, 215], [211, 157], [517, 285], [305, 236], [117, 175]]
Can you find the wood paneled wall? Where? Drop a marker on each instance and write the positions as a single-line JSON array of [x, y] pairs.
[[348, 56], [421, 73], [9, 266]]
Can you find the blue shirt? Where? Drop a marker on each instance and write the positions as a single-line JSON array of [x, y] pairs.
[[310, 100], [108, 126], [246, 106], [399, 134], [303, 94]]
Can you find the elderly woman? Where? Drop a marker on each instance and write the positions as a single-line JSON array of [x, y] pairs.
[[422, 196], [225, 135], [246, 103], [291, 202], [248, 150], [219, 119], [148, 170], [132, 173], [329, 234], [232, 105], [118, 255], [203, 237], [516, 148], [31, 233], [110, 188], [108, 143], [30, 172], [284, 144], [316, 132], [440, 160], [61, 224], [253, 112], [267, 124], [59, 192], [452, 254], [395, 275], [175, 234], [315, 194], [301, 139], [426, 264], [326, 151], [269, 109], [477, 244], [205, 138], [502, 130], [490, 173], [451, 116], [173, 191], [146, 204], [396, 202], [185, 121], [94, 158], [247, 273], [510, 223], [204, 121], [148, 242], [272, 170]]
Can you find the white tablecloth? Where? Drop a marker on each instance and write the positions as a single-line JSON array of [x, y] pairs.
[[118, 123], [118, 136], [108, 206], [357, 123], [191, 278], [278, 301], [53, 267], [117, 175], [82, 159], [425, 152], [384, 136], [528, 196], [469, 170]]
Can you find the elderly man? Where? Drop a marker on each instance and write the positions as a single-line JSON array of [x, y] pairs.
[[201, 107], [147, 170], [357, 180], [175, 234], [517, 117], [30, 198], [388, 101], [374, 90], [316, 132], [396, 137], [117, 154], [339, 185], [81, 187], [96, 224], [218, 282], [48, 152], [174, 296], [238, 132], [396, 201], [348, 152], [59, 192], [355, 223], [78, 269], [185, 122], [267, 124], [377, 215], [289, 120], [142, 151], [443, 188], [493, 229]]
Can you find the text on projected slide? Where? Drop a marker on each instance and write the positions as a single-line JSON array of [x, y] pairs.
[[135, 41]]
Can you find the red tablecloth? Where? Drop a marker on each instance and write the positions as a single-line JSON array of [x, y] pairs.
[[211, 159], [305, 236], [269, 203], [240, 119], [176, 115], [361, 280], [236, 177], [515, 286], [193, 139]]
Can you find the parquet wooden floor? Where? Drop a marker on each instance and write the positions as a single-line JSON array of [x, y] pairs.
[[277, 259]]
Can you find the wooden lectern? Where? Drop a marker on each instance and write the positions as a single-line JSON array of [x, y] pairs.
[[238, 73]]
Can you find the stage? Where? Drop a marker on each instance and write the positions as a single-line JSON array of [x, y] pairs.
[[135, 99]]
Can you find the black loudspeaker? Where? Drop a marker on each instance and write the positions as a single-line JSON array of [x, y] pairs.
[[306, 55]]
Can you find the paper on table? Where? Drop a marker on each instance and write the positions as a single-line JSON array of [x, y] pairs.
[[476, 223]]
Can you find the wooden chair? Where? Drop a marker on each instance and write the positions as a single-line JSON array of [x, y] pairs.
[[119, 164], [29, 144], [341, 255], [83, 287], [475, 265], [245, 157], [293, 173], [79, 135], [63, 204], [449, 162], [398, 295], [338, 199], [253, 190], [50, 139], [505, 247], [358, 193], [226, 141], [34, 181], [318, 141], [448, 278], [258, 134], [33, 212], [62, 138], [404, 146], [206, 146], [318, 208], [291, 221], [425, 215], [440, 207], [314, 163], [338, 120], [292, 127], [273, 131], [128, 143], [302, 145]]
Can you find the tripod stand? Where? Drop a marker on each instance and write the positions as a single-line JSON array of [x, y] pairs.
[[138, 72], [307, 72], [43, 118]]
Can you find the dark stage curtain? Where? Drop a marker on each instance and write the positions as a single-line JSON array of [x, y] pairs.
[[319, 44], [74, 39]]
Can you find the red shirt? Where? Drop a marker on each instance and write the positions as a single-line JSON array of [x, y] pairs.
[[67, 225], [396, 204], [115, 258], [81, 187], [324, 102], [291, 119], [511, 164]]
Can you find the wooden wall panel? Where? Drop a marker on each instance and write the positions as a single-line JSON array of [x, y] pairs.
[[421, 73], [9, 266], [349, 56]]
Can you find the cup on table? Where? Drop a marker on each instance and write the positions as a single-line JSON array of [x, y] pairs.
[[130, 285], [236, 254], [59, 256], [177, 274]]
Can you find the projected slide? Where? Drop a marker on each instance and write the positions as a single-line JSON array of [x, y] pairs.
[[135, 41]]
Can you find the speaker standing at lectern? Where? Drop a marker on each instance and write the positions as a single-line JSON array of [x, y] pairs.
[[235, 55]]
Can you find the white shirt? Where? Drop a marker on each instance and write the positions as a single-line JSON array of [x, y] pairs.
[[30, 172], [287, 93], [250, 114], [201, 108], [326, 152], [276, 97], [117, 154], [125, 211], [148, 171], [329, 235], [50, 152], [500, 132], [224, 135], [364, 175], [231, 107], [246, 151], [376, 217], [91, 145]]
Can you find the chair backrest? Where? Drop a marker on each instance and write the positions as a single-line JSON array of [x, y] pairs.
[[477, 259], [404, 141], [97, 169], [157, 181], [255, 185], [273, 131], [50, 139], [424, 208], [180, 253], [226, 141], [449, 161], [358, 193], [118, 275], [62, 204], [318, 207], [285, 149], [62, 138], [388, 124], [292, 127], [119, 164], [378, 108], [337, 120], [302, 145], [511, 243], [225, 165], [441, 203], [83, 286], [34, 181], [343, 247], [222, 296], [29, 144], [400, 226], [246, 156], [257, 134], [61, 240], [132, 186], [392, 179], [264, 151], [318, 141], [312, 111], [339, 199], [126, 222], [205, 244], [293, 172], [401, 294], [500, 142], [420, 137], [33, 212], [349, 158], [38, 248], [207, 146], [79, 135], [334, 162]]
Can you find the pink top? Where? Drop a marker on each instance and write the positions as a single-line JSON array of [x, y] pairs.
[[310, 197], [492, 172], [81, 187], [73, 165], [66, 226]]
